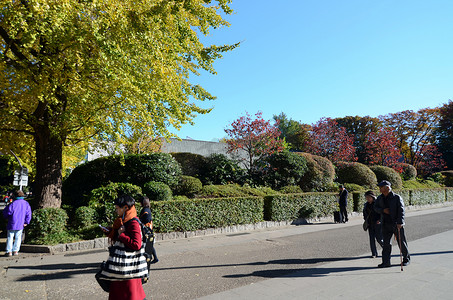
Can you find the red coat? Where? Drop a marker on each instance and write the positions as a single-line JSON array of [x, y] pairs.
[[131, 289]]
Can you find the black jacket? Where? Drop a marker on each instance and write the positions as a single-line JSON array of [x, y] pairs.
[[343, 201], [370, 215], [396, 206]]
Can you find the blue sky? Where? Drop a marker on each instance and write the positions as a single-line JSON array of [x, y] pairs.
[[328, 58]]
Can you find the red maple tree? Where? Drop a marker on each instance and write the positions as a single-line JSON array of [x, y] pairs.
[[255, 138], [330, 140], [381, 148]]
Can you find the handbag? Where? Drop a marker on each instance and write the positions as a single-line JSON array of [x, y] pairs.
[[103, 282], [365, 223]]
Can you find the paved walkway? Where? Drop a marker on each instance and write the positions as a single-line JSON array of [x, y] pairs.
[[429, 276]]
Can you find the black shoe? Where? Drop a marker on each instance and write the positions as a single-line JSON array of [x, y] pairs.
[[406, 263], [154, 261], [384, 265]]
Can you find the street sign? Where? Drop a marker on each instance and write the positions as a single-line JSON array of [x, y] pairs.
[[21, 177]]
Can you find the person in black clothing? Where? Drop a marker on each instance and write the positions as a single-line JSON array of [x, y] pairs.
[[343, 203], [372, 218], [391, 208], [147, 219]]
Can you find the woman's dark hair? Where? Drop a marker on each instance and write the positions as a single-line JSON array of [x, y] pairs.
[[371, 194], [125, 200], [144, 201]]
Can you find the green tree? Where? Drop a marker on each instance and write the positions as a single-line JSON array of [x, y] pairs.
[[295, 133], [444, 133], [359, 128], [73, 70]]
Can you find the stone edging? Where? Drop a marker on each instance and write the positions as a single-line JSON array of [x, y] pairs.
[[102, 243]]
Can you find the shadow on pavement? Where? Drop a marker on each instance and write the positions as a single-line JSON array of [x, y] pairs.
[[311, 272]]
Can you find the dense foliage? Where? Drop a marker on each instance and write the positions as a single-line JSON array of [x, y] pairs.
[[320, 174], [389, 174], [157, 191], [219, 169], [283, 169], [353, 172], [134, 169], [188, 186]]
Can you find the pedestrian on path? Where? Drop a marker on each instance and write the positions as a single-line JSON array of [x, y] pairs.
[[343, 203], [391, 208], [18, 214], [373, 222], [128, 232], [147, 219]]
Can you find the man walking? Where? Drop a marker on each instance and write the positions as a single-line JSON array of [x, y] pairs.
[[343, 203], [18, 214], [391, 208]]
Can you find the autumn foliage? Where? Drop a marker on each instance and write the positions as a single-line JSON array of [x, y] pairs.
[[255, 138], [381, 148], [330, 140]]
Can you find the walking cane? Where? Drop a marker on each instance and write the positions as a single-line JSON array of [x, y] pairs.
[[399, 242]]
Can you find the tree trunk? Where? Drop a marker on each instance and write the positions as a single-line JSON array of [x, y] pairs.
[[49, 153]]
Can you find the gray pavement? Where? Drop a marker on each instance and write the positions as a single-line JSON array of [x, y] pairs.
[[70, 275], [429, 276]]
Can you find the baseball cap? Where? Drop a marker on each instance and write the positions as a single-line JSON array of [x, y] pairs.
[[384, 183]]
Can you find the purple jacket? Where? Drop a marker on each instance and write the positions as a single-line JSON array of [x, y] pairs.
[[18, 213]]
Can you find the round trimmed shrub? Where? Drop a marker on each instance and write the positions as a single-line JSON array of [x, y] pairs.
[[284, 168], [291, 189], [408, 172], [188, 186], [219, 169], [157, 191], [46, 221], [101, 199], [354, 172], [352, 187], [320, 173], [84, 217], [191, 164], [389, 174], [135, 169]]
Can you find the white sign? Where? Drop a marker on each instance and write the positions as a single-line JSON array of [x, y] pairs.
[[21, 178]]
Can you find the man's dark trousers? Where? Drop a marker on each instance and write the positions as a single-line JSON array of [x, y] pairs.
[[343, 214], [387, 232]]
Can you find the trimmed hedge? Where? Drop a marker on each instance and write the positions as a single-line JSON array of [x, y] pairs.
[[157, 191], [196, 214], [101, 199], [284, 168], [134, 169], [409, 172], [188, 186], [386, 173], [308, 205], [291, 189], [354, 172], [424, 197], [47, 222], [191, 164], [84, 217], [219, 169], [448, 178], [319, 175], [234, 190]]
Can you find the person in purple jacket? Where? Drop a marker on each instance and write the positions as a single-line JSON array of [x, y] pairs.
[[18, 214]]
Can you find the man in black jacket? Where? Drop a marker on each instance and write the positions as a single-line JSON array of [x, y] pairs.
[[391, 208], [343, 203]]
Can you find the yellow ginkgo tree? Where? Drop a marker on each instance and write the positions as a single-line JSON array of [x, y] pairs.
[[72, 71]]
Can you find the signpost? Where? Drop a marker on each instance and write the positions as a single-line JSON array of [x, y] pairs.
[[21, 175]]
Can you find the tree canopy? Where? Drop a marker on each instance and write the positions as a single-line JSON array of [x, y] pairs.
[[74, 70]]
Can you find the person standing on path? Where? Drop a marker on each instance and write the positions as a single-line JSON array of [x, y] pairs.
[[391, 208], [147, 219], [18, 214], [372, 219], [343, 203]]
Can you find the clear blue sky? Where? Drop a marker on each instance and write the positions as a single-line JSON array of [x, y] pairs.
[[328, 58]]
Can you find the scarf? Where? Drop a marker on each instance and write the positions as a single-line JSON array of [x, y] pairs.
[[128, 215]]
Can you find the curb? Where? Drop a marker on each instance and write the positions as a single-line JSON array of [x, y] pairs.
[[103, 243]]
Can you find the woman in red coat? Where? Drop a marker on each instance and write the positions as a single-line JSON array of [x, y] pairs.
[[128, 232]]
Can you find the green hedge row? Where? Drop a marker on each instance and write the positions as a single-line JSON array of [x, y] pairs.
[[196, 214], [308, 205]]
